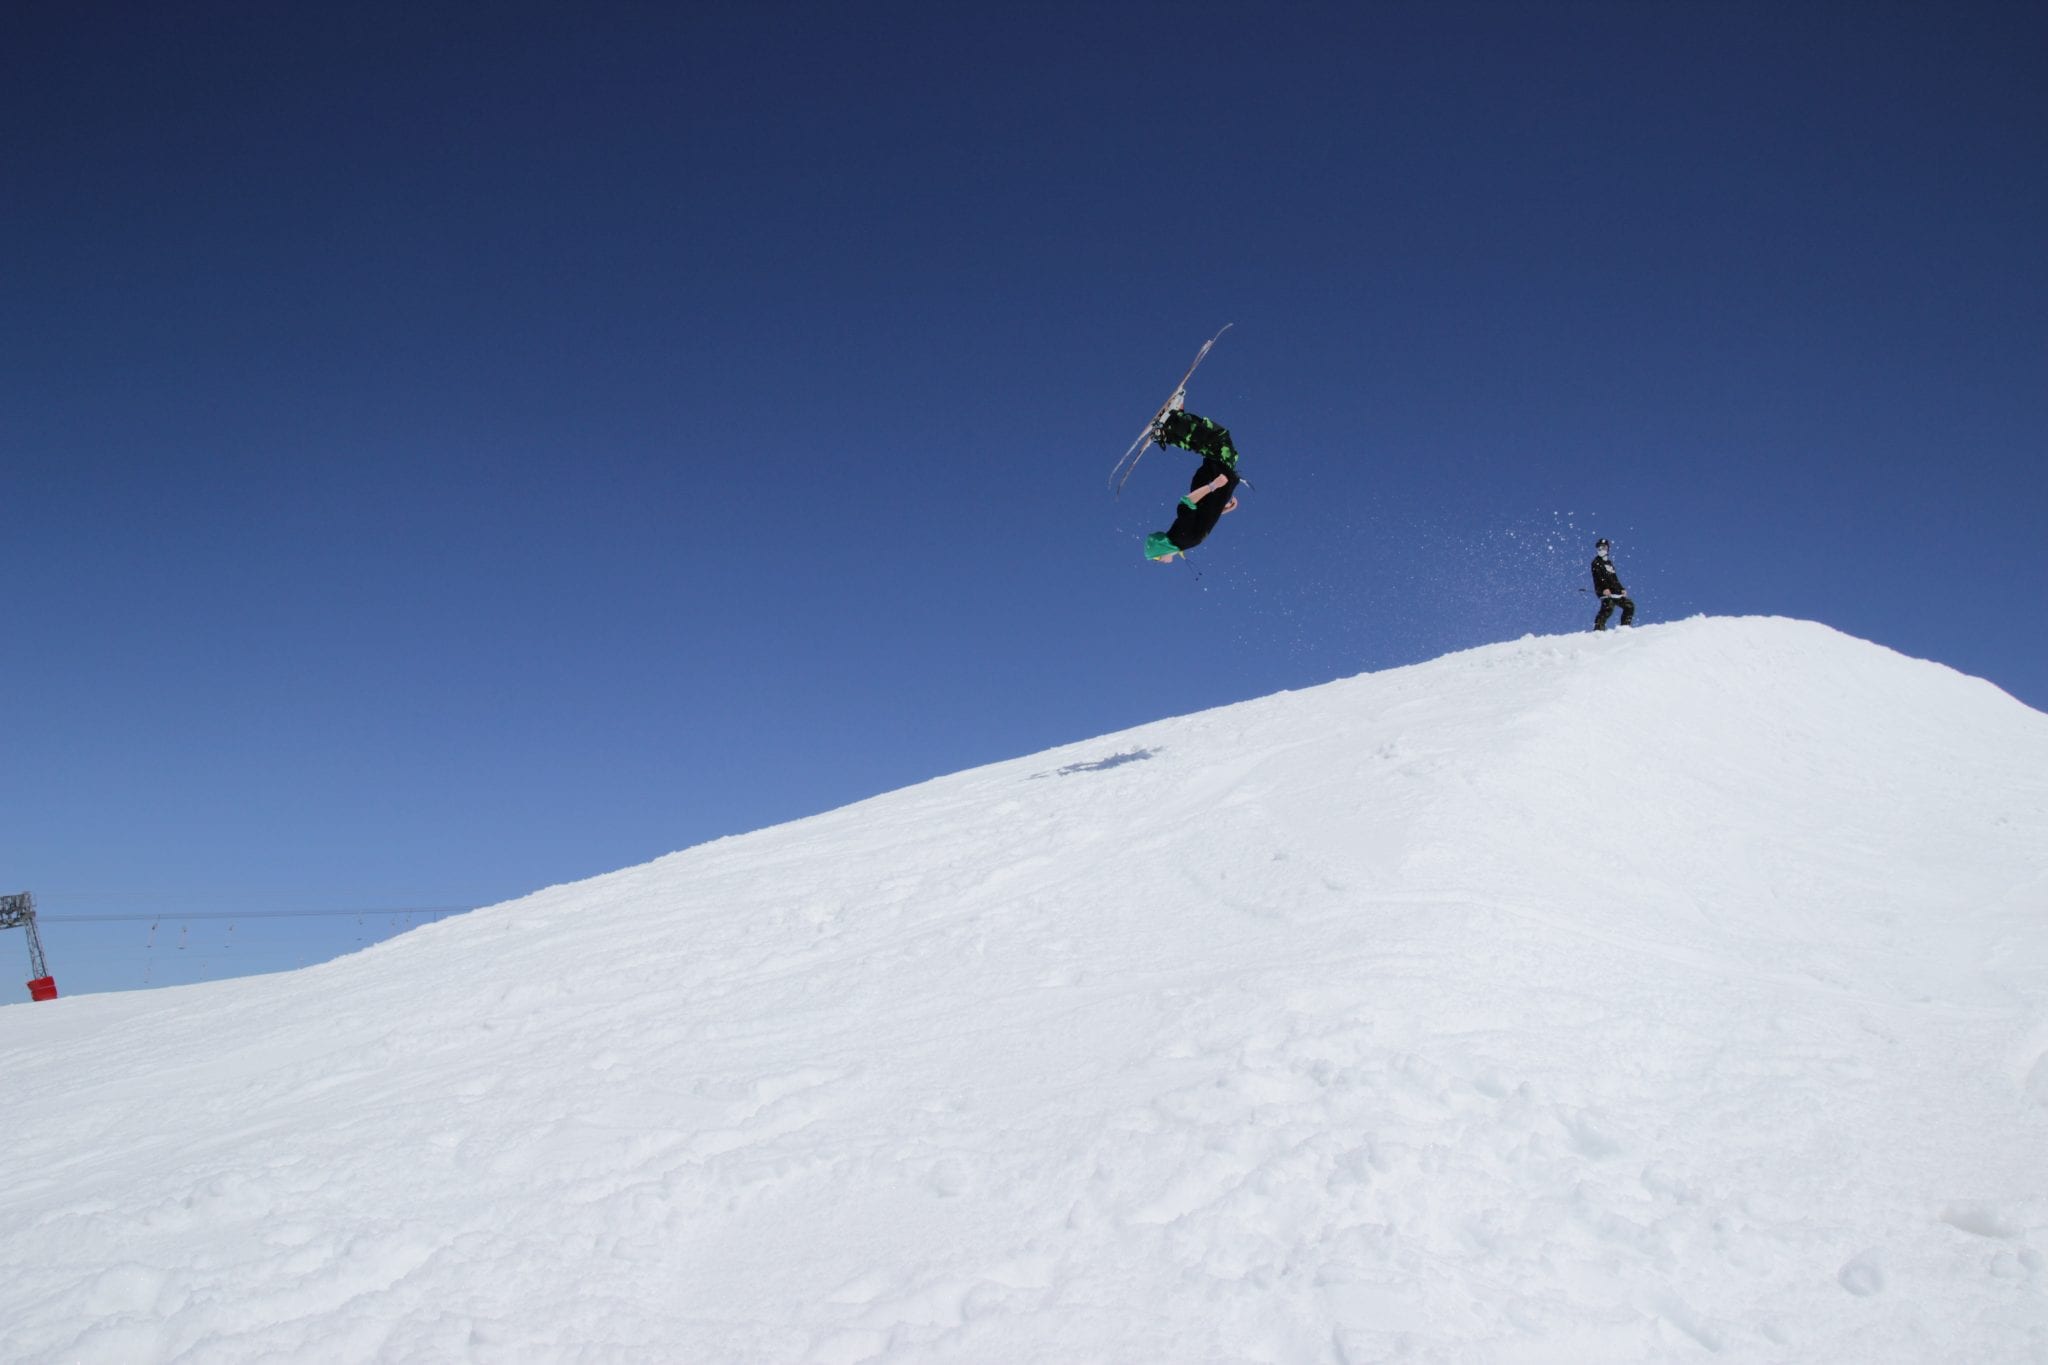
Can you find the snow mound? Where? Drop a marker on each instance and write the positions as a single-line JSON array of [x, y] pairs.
[[1628, 997]]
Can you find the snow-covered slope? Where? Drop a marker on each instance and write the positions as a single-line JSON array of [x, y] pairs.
[[1627, 997]]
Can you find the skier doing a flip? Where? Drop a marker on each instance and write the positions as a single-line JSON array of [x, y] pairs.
[[1212, 491]]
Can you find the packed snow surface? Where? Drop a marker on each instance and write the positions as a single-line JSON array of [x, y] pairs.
[[1641, 996]]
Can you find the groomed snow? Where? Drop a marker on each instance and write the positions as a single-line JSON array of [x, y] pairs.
[[1633, 997]]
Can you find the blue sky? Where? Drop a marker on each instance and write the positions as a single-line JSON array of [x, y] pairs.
[[449, 451]]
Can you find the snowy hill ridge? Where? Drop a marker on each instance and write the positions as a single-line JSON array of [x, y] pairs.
[[1656, 995]]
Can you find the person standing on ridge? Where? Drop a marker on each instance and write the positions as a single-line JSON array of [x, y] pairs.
[[1607, 583], [1212, 491]]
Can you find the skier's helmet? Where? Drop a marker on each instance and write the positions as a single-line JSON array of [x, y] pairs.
[[1601, 544]]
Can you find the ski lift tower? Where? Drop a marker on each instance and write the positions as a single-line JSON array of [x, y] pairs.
[[20, 912]]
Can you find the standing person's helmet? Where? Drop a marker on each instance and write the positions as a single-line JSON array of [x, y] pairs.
[[1602, 544]]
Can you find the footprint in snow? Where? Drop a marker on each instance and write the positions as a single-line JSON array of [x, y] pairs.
[[1982, 1220], [1862, 1276]]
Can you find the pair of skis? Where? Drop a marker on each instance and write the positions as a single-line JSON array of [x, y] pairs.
[[1122, 473]]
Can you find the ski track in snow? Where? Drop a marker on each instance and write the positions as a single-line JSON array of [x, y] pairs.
[[1657, 996]]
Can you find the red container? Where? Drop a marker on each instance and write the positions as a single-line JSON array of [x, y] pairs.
[[43, 988]]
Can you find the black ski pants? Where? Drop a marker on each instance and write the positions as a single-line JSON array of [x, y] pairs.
[[1607, 606], [1199, 434]]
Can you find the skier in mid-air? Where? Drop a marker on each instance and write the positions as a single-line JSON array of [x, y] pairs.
[[1212, 491], [1607, 583]]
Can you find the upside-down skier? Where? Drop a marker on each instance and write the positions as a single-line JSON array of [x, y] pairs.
[[1211, 492]]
